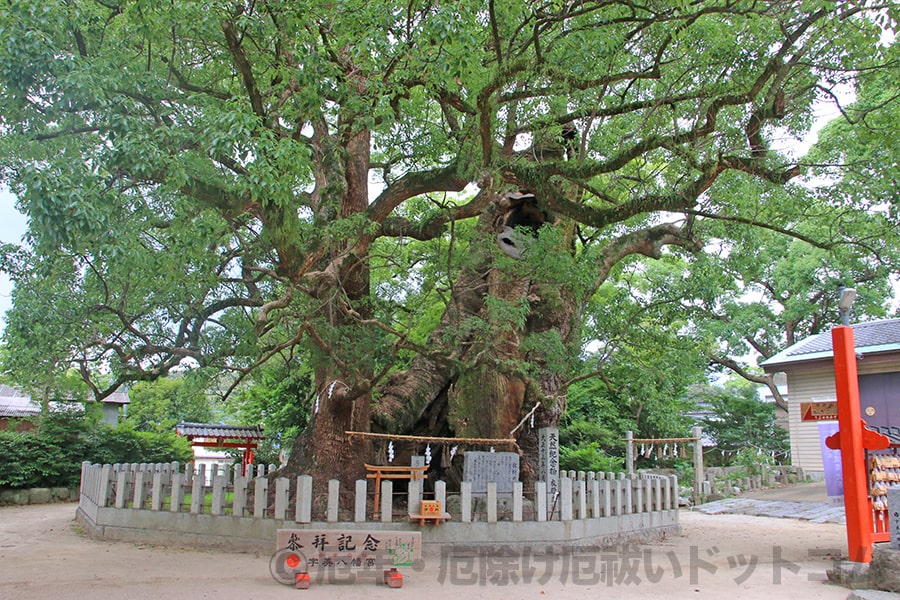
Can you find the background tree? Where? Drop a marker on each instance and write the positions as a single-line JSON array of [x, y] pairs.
[[278, 396], [738, 420], [46, 328], [855, 157], [763, 291], [850, 174], [203, 172], [160, 405], [52, 455]]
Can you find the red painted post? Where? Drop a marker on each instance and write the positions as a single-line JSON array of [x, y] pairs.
[[856, 494], [301, 581], [247, 460]]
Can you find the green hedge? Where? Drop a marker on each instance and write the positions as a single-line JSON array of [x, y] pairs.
[[52, 455], [28, 460]]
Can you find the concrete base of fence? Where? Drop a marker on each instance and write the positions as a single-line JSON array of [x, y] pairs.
[[246, 534]]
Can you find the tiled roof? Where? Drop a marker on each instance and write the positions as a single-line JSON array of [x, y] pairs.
[[213, 430], [21, 407], [869, 338], [11, 391], [865, 335], [117, 397], [14, 408]]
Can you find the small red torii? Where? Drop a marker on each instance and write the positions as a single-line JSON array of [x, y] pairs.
[[212, 435]]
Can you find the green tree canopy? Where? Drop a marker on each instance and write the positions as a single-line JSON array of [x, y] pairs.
[[738, 420], [279, 397], [160, 405]]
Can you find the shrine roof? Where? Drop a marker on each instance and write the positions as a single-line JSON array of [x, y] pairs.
[[872, 337], [217, 430]]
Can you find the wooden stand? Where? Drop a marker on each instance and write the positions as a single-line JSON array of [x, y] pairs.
[[392, 578], [436, 519], [301, 581]]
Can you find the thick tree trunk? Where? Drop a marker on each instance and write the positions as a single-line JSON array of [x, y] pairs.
[[554, 309], [471, 383], [487, 398], [324, 450], [343, 399], [481, 393], [411, 399]]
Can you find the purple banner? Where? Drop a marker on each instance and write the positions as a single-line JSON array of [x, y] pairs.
[[831, 462]]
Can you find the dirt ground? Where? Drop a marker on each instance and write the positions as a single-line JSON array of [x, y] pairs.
[[43, 555]]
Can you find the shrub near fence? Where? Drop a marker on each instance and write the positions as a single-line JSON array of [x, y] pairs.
[[162, 503], [51, 456]]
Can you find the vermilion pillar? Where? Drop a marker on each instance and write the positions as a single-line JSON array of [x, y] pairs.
[[853, 458], [247, 462]]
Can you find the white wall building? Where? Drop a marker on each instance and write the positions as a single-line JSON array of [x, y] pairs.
[[809, 366]]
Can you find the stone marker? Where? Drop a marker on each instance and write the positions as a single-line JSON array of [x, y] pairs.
[[548, 459], [893, 498]]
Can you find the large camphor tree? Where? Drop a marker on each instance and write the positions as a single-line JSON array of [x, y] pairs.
[[420, 200]]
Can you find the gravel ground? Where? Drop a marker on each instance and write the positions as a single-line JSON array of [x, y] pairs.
[[43, 555]]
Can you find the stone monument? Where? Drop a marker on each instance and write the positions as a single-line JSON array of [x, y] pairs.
[[480, 468]]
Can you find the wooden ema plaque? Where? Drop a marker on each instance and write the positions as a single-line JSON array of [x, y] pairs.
[[430, 511], [430, 508]]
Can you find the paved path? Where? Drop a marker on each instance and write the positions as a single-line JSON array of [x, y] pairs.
[[814, 512], [806, 502]]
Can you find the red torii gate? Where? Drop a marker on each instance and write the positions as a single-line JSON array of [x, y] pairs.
[[212, 435]]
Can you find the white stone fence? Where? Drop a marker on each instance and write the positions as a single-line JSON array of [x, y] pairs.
[[590, 507]]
